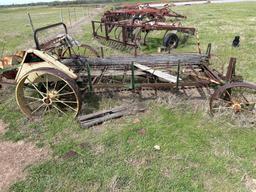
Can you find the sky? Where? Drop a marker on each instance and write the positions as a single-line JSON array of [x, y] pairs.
[[8, 2]]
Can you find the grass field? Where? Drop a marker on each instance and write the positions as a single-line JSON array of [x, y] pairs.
[[197, 152], [17, 32]]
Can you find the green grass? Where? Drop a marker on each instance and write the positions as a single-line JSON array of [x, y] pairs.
[[219, 24], [197, 153]]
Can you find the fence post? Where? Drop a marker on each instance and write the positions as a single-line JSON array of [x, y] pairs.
[[31, 23], [61, 15], [75, 13], [69, 17]]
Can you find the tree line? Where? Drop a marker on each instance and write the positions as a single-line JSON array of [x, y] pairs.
[[62, 3]]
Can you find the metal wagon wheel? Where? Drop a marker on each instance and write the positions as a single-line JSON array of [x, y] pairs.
[[235, 99], [81, 50], [47, 90]]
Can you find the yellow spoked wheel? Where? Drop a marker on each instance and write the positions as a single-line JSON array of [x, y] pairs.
[[47, 90]]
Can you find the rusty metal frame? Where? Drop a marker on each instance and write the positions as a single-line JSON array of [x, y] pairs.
[[127, 26]]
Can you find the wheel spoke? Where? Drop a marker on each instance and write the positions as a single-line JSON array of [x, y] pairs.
[[246, 110], [223, 100], [68, 93], [41, 93], [62, 88], [30, 103], [55, 85], [59, 101], [46, 109], [222, 107], [38, 108], [41, 82], [244, 97], [66, 105], [34, 98], [58, 109]]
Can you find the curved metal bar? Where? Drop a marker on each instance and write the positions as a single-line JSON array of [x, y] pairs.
[[44, 28]]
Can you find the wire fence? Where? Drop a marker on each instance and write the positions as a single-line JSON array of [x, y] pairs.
[[69, 16], [26, 21]]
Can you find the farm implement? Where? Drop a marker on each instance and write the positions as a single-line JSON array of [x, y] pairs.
[[132, 34], [142, 14], [57, 74], [156, 5], [130, 26]]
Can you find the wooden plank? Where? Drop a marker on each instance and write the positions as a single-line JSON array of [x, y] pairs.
[[101, 113], [115, 73], [87, 121], [174, 59], [166, 76], [99, 120]]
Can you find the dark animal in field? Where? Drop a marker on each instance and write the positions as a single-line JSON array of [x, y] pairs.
[[236, 41]]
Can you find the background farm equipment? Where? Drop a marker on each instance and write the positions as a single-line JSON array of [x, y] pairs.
[[130, 26], [156, 5], [132, 34], [145, 14], [49, 81]]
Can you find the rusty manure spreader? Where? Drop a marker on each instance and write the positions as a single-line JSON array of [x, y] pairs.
[[53, 76]]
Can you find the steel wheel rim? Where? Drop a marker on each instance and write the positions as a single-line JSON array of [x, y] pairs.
[[36, 98]]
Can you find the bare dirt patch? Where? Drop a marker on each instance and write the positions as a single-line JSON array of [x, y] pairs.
[[2, 127], [250, 183], [15, 157]]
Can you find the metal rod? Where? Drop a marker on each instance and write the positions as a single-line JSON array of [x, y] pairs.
[[102, 52], [89, 77], [178, 76], [31, 22], [133, 76], [93, 29]]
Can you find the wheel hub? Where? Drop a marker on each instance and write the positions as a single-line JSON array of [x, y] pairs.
[[47, 101], [237, 107], [51, 95]]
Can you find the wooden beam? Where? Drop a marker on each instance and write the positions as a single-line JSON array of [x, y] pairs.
[[162, 75]]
